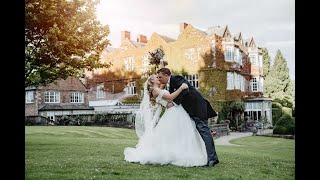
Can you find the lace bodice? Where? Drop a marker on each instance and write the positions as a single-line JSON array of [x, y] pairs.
[[161, 100]]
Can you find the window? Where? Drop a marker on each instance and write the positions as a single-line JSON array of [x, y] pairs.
[[131, 88], [237, 55], [253, 110], [51, 97], [260, 61], [50, 115], [129, 63], [242, 82], [237, 80], [100, 92], [77, 97], [193, 80], [230, 84], [261, 84], [29, 97], [254, 60], [254, 84], [228, 54]]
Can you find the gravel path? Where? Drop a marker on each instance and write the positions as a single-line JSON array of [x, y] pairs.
[[225, 140]]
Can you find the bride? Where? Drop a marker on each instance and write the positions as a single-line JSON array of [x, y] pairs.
[[171, 139]]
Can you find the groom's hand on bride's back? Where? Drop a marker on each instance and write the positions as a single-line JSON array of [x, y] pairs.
[[169, 105]]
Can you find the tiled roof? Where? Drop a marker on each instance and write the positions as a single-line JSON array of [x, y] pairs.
[[218, 30], [110, 49], [166, 38], [65, 107], [137, 44], [247, 41]]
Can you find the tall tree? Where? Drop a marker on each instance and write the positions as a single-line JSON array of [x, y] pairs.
[[266, 61], [277, 79], [62, 38]]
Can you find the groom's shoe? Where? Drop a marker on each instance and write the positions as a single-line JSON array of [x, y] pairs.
[[212, 163]]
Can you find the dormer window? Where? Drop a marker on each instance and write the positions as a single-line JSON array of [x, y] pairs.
[[100, 92], [51, 97], [76, 97], [29, 97]]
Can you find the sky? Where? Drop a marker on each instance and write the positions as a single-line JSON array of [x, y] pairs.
[[270, 22]]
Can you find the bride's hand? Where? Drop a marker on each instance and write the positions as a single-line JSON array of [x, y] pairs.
[[184, 86]]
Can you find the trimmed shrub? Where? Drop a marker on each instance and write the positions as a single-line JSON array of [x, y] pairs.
[[285, 125], [279, 130], [276, 105], [286, 110], [284, 120], [276, 114]]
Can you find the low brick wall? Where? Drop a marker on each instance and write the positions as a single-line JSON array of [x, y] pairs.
[[220, 129]]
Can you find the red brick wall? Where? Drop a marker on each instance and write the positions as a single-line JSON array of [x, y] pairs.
[[65, 87]]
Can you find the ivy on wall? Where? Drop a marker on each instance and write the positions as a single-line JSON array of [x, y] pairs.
[[114, 81]]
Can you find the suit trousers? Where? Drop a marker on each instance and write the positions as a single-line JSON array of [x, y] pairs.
[[204, 130]]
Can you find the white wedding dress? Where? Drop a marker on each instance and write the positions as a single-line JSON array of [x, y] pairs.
[[174, 140]]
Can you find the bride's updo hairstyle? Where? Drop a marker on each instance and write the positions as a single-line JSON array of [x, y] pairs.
[[150, 89]]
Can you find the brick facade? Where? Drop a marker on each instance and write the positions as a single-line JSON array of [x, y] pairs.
[[65, 87], [186, 53]]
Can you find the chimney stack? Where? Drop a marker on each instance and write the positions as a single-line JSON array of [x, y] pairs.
[[183, 26], [124, 35], [141, 38]]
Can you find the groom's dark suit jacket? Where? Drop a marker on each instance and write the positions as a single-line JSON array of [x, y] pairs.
[[192, 100]]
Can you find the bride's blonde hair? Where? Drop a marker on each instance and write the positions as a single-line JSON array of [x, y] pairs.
[[150, 85]]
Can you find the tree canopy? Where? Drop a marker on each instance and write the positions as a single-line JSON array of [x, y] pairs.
[[62, 38], [266, 61], [277, 82]]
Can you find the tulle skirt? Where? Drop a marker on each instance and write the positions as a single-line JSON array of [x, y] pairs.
[[175, 140]]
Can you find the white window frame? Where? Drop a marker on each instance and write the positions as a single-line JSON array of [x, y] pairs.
[[240, 58], [193, 79], [254, 84], [261, 84], [242, 83], [237, 81], [260, 61], [237, 55], [52, 96], [131, 87], [50, 115], [129, 63], [228, 55], [253, 59], [230, 81], [100, 92], [29, 97], [76, 97]]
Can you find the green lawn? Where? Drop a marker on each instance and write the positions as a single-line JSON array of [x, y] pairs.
[[84, 152]]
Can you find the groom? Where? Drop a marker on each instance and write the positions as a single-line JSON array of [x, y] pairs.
[[196, 106]]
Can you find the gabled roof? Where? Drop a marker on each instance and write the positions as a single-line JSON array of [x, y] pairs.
[[166, 38], [202, 32], [237, 36], [137, 44], [248, 42], [70, 83], [218, 30], [47, 107], [110, 49], [104, 102]]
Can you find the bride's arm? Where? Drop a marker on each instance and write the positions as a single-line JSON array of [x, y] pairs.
[[171, 96]]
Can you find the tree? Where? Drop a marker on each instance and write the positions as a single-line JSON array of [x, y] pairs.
[[266, 61], [278, 77], [278, 84], [62, 39]]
